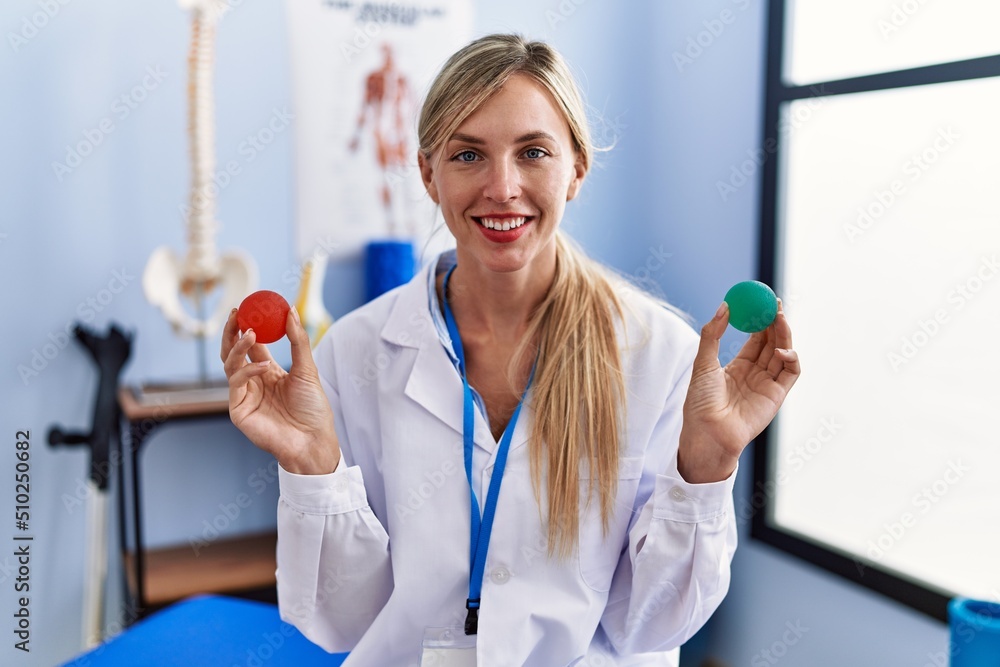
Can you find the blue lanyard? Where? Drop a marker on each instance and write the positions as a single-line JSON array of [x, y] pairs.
[[481, 527]]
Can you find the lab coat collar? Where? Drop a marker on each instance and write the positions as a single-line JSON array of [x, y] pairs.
[[434, 383]]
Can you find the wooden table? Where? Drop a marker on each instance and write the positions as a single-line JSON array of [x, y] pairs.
[[155, 578]]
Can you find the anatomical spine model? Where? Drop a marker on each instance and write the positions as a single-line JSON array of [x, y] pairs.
[[167, 277]]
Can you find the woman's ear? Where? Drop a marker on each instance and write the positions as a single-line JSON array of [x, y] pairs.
[[427, 175], [579, 173]]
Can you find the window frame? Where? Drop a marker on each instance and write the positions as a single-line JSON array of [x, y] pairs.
[[910, 592]]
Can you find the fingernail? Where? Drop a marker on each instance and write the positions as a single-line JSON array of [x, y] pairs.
[[263, 363], [723, 307], [233, 311], [295, 314]]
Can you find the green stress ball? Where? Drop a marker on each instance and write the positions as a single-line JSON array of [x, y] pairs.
[[752, 306]]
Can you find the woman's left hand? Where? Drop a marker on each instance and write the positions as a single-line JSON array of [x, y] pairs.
[[729, 406]]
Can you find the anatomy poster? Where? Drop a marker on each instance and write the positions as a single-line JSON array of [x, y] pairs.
[[359, 73]]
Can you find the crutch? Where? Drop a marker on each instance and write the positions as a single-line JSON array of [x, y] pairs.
[[110, 353]]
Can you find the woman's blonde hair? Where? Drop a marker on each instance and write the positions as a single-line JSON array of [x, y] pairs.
[[578, 388]]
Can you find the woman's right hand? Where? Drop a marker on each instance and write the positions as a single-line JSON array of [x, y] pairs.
[[284, 413]]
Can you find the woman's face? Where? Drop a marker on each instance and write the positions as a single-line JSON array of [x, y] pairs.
[[510, 164]]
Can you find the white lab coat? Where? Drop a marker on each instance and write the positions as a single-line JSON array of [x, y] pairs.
[[374, 557]]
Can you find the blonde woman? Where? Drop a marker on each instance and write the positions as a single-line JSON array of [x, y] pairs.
[[516, 458]]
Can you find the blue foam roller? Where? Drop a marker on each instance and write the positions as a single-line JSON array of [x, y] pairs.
[[388, 264], [975, 633]]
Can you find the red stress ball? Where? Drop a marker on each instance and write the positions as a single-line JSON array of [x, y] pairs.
[[265, 312]]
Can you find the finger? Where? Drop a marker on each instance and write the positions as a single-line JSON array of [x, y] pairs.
[[752, 349], [299, 339], [766, 359], [237, 357], [230, 334], [767, 354], [259, 352], [241, 378], [707, 358], [782, 329], [776, 363], [791, 368]]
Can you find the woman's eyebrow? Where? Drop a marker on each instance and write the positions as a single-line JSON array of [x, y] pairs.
[[530, 136], [466, 139], [533, 136]]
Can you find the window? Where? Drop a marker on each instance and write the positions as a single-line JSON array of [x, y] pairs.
[[880, 229]]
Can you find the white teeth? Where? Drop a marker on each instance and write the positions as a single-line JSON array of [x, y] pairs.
[[502, 225]]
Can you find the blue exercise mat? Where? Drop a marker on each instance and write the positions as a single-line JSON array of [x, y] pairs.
[[210, 631]]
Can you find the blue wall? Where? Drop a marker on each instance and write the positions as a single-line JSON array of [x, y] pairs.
[[651, 209]]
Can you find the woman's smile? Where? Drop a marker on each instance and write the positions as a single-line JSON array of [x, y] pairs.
[[503, 227]]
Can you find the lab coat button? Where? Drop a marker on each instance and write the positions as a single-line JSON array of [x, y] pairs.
[[677, 493], [500, 575]]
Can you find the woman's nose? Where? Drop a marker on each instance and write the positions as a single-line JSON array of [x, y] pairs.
[[503, 181]]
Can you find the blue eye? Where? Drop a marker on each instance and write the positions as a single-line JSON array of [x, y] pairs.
[[466, 156], [534, 153]]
